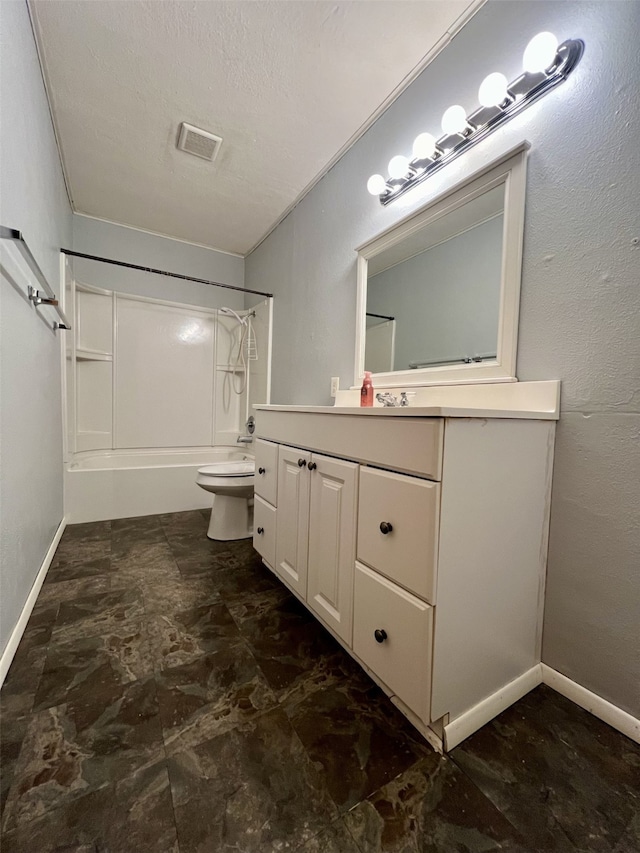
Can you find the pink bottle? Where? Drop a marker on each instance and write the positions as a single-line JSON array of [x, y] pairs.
[[366, 392]]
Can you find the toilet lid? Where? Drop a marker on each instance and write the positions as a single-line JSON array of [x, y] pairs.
[[229, 469]]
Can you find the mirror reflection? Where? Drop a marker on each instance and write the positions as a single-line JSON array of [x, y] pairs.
[[434, 298]]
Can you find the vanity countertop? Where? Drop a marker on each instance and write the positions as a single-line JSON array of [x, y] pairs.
[[531, 400]]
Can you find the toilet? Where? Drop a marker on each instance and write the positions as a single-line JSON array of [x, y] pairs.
[[232, 486]]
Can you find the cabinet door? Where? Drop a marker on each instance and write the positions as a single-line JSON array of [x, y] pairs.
[[267, 471], [332, 542], [264, 530], [292, 539]]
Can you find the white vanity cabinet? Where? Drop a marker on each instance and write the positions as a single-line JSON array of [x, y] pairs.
[[332, 541], [292, 543], [266, 491], [313, 551], [420, 543]]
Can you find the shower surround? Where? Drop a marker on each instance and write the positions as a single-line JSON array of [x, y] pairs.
[[151, 396]]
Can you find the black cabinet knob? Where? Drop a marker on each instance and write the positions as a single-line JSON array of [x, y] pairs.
[[261, 470], [380, 634], [385, 527], [302, 463], [312, 466], [260, 530]]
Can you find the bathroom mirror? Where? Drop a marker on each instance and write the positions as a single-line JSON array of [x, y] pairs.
[[438, 294]]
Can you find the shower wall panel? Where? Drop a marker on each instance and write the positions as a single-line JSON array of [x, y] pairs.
[[164, 375]]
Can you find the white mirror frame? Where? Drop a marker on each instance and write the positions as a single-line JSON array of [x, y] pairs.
[[509, 170]]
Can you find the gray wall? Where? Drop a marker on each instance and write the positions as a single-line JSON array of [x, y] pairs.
[[95, 237], [580, 297], [445, 300], [33, 201]]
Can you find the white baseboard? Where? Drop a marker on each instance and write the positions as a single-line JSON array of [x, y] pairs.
[[473, 719], [18, 631], [596, 705]]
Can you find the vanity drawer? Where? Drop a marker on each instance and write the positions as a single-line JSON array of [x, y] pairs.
[[400, 443], [404, 624], [266, 478], [264, 519], [410, 507]]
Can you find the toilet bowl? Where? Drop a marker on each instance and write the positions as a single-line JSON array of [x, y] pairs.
[[232, 486]]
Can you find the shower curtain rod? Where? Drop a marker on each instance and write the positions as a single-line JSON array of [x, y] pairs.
[[163, 272], [380, 316]]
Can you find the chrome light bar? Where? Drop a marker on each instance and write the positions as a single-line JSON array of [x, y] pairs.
[[465, 131]]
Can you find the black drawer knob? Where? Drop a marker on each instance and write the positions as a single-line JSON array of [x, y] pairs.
[[260, 530], [380, 634], [302, 463], [385, 527], [312, 466], [261, 470]]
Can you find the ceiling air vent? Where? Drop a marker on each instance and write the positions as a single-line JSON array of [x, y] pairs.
[[198, 142]]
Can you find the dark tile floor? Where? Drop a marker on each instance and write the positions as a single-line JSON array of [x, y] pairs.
[[169, 694]]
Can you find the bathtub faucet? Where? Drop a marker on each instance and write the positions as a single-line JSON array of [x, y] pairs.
[[244, 439]]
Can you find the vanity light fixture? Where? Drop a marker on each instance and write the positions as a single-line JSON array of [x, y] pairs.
[[546, 64]]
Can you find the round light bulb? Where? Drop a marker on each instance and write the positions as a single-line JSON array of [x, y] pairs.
[[493, 90], [454, 119], [376, 184], [398, 166], [424, 145], [540, 53]]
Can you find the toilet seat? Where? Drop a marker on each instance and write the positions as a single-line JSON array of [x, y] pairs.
[[229, 469]]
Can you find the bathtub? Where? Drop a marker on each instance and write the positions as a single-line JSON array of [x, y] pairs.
[[124, 483]]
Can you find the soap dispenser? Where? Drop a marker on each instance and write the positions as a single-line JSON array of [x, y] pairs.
[[366, 392]]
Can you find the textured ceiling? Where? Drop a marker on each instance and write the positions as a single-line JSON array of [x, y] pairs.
[[286, 84]]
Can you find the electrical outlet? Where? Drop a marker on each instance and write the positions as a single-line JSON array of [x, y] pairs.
[[335, 386]]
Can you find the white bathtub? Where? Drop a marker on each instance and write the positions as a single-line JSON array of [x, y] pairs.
[[125, 483]]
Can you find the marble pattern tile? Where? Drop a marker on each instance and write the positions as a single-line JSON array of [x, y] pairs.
[[135, 526], [12, 731], [72, 749], [20, 686], [234, 581], [252, 789], [335, 838], [145, 562], [134, 815], [210, 696], [429, 808], [192, 562], [357, 737], [83, 543], [192, 519], [630, 839], [89, 531], [79, 570], [150, 640], [68, 590], [39, 627], [535, 763], [95, 665], [256, 604], [175, 593], [97, 614], [183, 636], [130, 534], [189, 542], [294, 651]]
